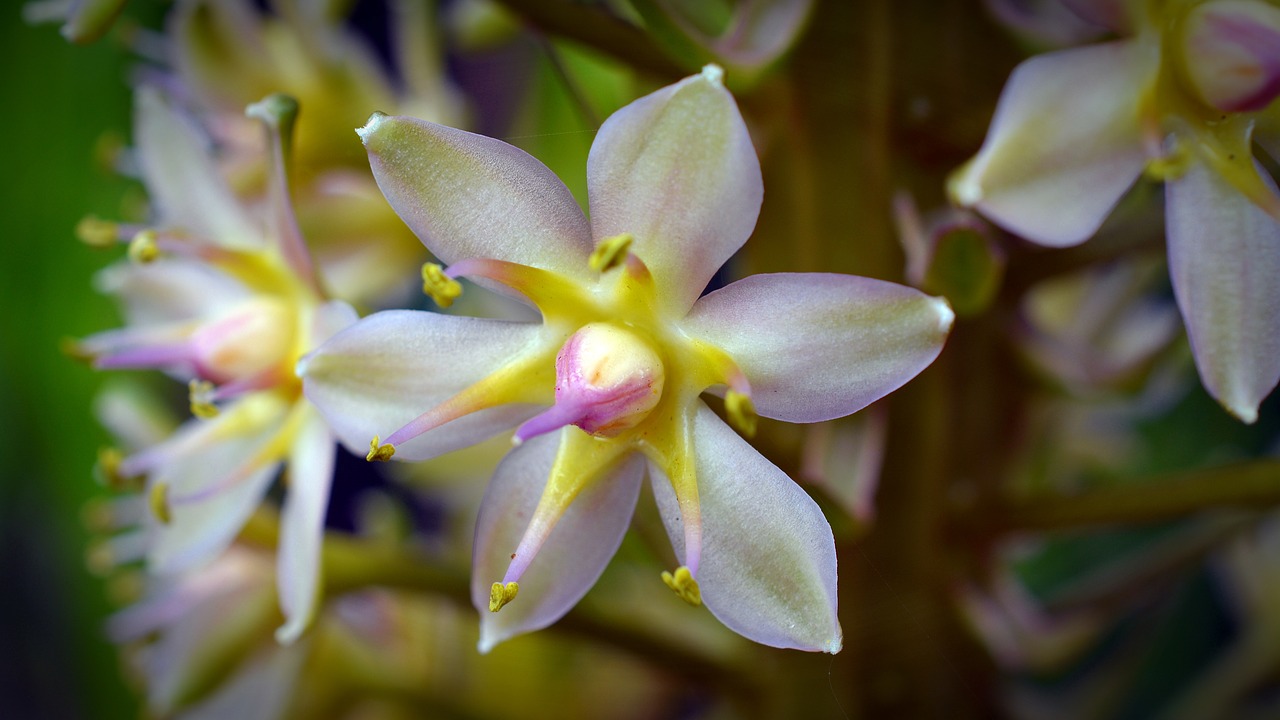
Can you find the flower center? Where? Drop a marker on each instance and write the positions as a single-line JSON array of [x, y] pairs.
[[608, 379], [251, 339]]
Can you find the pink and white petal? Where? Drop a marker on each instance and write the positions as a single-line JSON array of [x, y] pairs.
[[1224, 258], [768, 568], [818, 346], [182, 179], [574, 555], [170, 290], [389, 368], [1065, 143], [262, 689], [1116, 15], [677, 170], [471, 196], [214, 486], [311, 462]]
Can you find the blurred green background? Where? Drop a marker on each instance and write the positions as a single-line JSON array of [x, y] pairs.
[[58, 101]]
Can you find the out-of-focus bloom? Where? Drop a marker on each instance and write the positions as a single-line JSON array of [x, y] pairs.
[[226, 54], [754, 35], [83, 21], [625, 349], [1179, 99], [226, 301]]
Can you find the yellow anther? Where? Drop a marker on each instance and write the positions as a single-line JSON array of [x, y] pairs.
[[610, 252], [442, 288], [379, 451], [97, 516], [107, 469], [96, 232], [500, 595], [741, 411], [683, 584], [74, 350], [100, 560], [200, 393], [143, 248], [159, 500], [126, 588]]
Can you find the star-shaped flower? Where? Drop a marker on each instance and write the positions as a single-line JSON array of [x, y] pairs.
[[1179, 99], [624, 351], [225, 301]]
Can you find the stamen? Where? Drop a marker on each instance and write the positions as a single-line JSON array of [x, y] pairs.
[[159, 501], [143, 248], [201, 393], [107, 471], [684, 585], [378, 451], [500, 595], [439, 286], [610, 252], [75, 350], [741, 412], [96, 232]]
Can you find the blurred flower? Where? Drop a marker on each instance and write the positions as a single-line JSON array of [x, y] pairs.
[[226, 54], [226, 301], [83, 21], [625, 349], [1180, 98]]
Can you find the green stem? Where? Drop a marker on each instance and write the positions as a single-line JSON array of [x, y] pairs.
[[599, 30], [1251, 486]]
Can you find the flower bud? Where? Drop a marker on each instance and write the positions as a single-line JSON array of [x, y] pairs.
[[1231, 54], [248, 340], [608, 379]]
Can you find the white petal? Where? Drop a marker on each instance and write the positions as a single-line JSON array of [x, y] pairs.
[[170, 290], [818, 346], [471, 196], [1224, 258], [182, 179], [768, 568], [199, 530], [1065, 143], [677, 170], [389, 368], [302, 525], [575, 553]]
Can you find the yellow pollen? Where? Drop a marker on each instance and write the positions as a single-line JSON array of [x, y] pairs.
[[74, 350], [107, 469], [610, 252], [378, 451], [96, 232], [683, 584], [500, 595], [199, 392], [100, 560], [143, 248], [97, 516], [159, 501], [126, 588], [442, 288], [741, 411]]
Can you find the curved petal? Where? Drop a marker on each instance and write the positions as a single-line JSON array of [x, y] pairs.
[[768, 557], [311, 462], [677, 170], [182, 179], [471, 196], [818, 346], [390, 367], [170, 290], [207, 504], [575, 553], [1224, 258], [1065, 143]]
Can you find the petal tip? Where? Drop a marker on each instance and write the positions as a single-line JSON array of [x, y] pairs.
[[713, 74], [835, 645], [1245, 413], [963, 188], [371, 125], [946, 316]]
